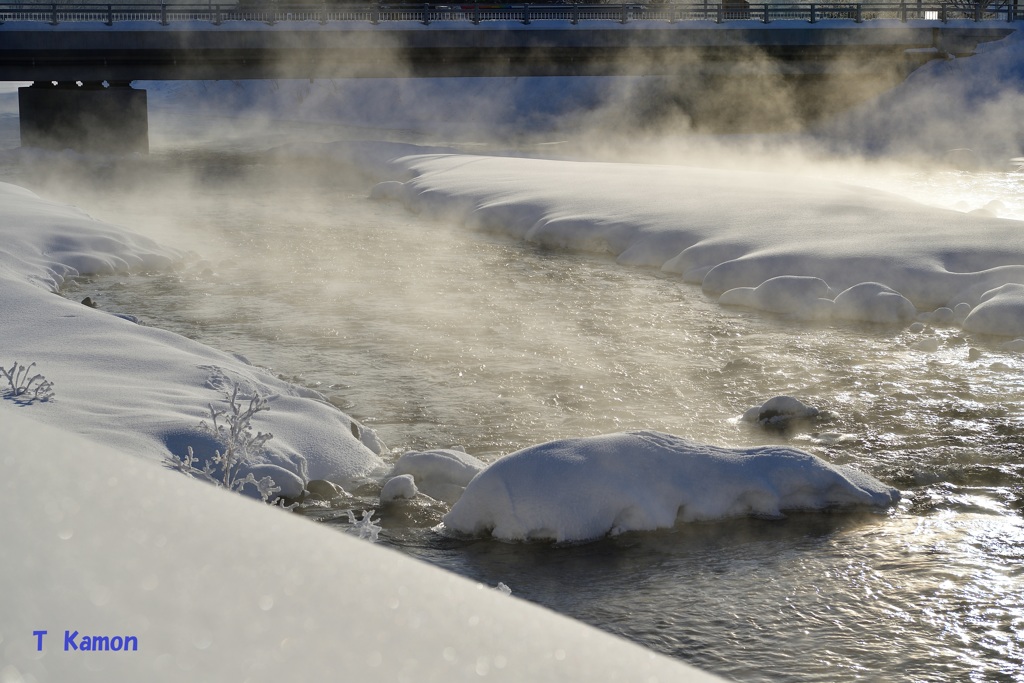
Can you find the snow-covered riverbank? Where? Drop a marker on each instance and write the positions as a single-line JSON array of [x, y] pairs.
[[740, 230]]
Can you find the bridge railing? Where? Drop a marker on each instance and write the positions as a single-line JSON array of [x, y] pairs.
[[672, 12]]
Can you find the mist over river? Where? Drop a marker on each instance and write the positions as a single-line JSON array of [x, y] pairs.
[[438, 336]]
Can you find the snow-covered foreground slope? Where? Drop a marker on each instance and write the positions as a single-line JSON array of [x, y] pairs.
[[581, 489], [136, 388], [729, 229], [215, 587]]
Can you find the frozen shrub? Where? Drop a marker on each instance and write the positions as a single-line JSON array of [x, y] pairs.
[[367, 527], [233, 429], [24, 386]]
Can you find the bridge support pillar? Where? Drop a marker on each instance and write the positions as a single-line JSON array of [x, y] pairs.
[[91, 117]]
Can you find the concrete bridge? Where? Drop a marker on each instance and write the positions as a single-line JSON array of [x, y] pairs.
[[82, 59]]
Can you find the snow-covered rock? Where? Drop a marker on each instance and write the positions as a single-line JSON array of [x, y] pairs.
[[801, 296], [402, 487], [441, 474], [780, 411], [873, 302], [586, 488], [1001, 312]]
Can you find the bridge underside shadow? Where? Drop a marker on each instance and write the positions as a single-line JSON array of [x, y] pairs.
[[757, 95], [722, 79]]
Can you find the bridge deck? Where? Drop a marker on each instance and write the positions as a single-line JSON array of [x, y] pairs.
[[62, 42]]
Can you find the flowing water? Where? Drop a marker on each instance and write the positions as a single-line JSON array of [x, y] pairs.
[[437, 336]]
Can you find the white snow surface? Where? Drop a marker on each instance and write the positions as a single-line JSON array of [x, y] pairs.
[[586, 488], [136, 388], [216, 587], [729, 229]]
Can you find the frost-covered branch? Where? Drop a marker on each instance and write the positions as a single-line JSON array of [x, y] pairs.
[[367, 527], [24, 386], [233, 429], [236, 435]]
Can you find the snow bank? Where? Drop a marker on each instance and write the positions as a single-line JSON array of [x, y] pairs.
[[782, 241], [45, 243], [215, 587], [581, 489], [141, 389]]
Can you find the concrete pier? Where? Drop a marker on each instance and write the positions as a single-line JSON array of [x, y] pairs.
[[85, 117]]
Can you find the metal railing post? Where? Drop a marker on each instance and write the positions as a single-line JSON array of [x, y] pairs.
[[575, 14], [942, 13], [903, 11], [812, 19], [721, 15], [526, 13], [426, 14], [977, 10], [766, 18], [859, 17], [163, 14], [323, 13], [476, 15], [375, 14], [53, 15], [110, 15], [625, 14], [673, 14]]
